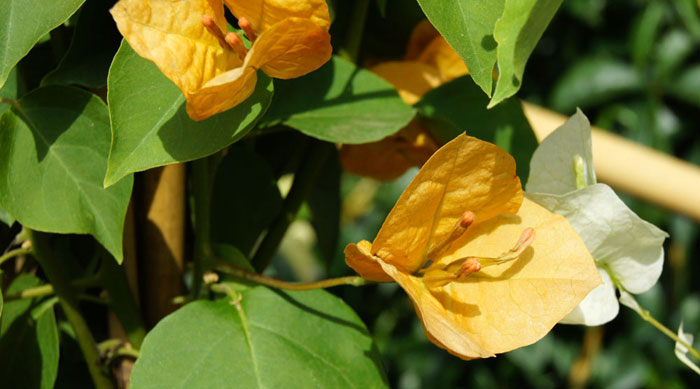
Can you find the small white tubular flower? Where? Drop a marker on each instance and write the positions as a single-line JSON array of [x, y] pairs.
[[628, 250], [682, 351]]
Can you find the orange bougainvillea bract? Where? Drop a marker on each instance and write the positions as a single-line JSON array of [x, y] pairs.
[[429, 62], [486, 270], [189, 42]]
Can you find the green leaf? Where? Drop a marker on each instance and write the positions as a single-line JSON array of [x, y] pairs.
[[324, 201], [517, 32], [6, 217], [339, 103], [95, 41], [461, 102], [245, 199], [53, 156], [270, 339], [468, 26], [233, 255], [23, 23], [11, 90], [150, 126], [594, 81], [28, 340]]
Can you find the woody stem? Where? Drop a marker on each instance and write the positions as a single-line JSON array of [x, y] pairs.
[[279, 284]]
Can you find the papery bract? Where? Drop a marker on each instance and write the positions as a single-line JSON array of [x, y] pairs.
[[429, 63], [290, 39], [495, 309], [626, 248]]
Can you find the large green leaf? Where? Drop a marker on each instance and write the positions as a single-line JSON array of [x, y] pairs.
[[150, 126], [53, 157], [270, 339], [23, 23], [488, 33], [95, 41], [28, 340], [462, 103], [339, 103], [517, 32], [245, 199]]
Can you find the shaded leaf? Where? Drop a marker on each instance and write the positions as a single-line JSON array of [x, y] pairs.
[[339, 103], [270, 339], [23, 23], [461, 102], [150, 126], [53, 155], [686, 86], [95, 41], [28, 340], [245, 199]]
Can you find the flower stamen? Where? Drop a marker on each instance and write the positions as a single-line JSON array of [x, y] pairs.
[[209, 23], [437, 275], [236, 43], [247, 28], [459, 229]]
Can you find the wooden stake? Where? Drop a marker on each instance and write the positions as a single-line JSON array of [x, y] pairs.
[[161, 240]]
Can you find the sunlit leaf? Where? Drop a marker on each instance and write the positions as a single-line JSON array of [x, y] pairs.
[[267, 339], [53, 155]]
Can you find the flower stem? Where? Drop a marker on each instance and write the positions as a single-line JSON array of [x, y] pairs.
[[279, 284], [304, 178], [353, 36], [57, 276], [14, 253], [202, 181], [122, 301], [644, 314], [46, 290]]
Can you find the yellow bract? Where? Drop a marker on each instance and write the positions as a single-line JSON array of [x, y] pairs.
[[500, 307], [429, 63], [291, 39]]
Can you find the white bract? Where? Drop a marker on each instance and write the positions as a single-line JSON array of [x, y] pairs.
[[628, 250]]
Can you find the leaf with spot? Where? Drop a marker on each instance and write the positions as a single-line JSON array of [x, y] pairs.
[[53, 156], [492, 35], [270, 339]]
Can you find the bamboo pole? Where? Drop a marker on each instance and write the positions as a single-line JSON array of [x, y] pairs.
[[633, 168], [161, 240]]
